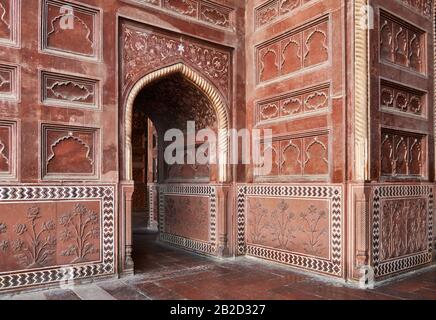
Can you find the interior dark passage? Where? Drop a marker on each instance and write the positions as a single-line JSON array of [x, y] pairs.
[[167, 104]]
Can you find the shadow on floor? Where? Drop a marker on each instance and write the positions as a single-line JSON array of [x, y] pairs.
[[163, 272]]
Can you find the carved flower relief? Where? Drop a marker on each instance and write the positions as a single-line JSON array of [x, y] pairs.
[[3, 228], [187, 217], [392, 242], [422, 6], [289, 5], [404, 228], [215, 16], [80, 232], [278, 226], [4, 244], [415, 104], [156, 49], [267, 14], [387, 97], [185, 7], [35, 246], [401, 101], [405, 100], [20, 229]]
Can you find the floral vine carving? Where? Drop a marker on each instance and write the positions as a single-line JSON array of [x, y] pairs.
[[4, 244], [80, 226], [257, 224], [313, 230], [281, 226], [404, 228], [35, 246], [144, 49]]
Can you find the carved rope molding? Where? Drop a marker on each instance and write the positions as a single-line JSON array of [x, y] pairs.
[[210, 92], [361, 101]]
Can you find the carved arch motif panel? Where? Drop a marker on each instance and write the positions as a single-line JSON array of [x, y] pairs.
[[299, 49], [9, 26], [273, 10], [69, 153], [74, 33]]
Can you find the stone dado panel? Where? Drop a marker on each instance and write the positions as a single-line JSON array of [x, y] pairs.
[[76, 34], [69, 91], [296, 225], [187, 216], [299, 156], [69, 152], [402, 228], [204, 11], [403, 154], [299, 49], [402, 100], [276, 9], [39, 238], [9, 27], [300, 103], [402, 44]]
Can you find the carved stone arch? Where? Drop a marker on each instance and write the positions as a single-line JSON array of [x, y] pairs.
[[201, 83]]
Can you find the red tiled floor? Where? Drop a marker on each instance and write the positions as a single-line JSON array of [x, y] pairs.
[[167, 273]]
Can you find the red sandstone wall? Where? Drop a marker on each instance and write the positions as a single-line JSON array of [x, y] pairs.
[[402, 135], [61, 124], [296, 87]]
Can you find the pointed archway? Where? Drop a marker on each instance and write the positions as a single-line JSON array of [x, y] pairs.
[[127, 186], [211, 93]]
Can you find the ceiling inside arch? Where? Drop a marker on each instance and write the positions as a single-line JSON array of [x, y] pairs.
[[172, 101]]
